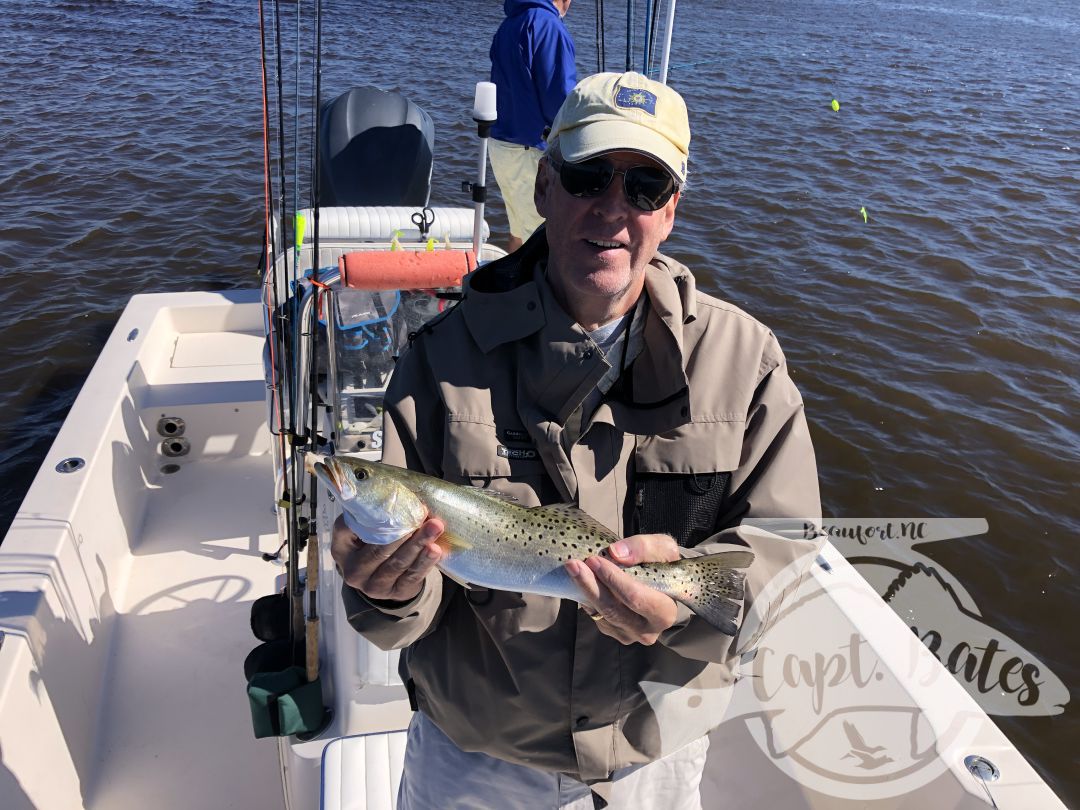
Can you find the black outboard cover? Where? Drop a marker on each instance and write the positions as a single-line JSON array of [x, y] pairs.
[[375, 148]]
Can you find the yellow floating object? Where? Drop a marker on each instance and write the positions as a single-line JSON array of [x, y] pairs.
[[863, 212], [299, 229], [835, 105]]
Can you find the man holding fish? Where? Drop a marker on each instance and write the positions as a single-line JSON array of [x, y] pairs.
[[585, 432]]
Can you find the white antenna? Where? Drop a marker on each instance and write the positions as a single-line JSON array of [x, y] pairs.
[[484, 114], [667, 42]]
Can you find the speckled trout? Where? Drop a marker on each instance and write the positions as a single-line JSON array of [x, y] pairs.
[[492, 542]]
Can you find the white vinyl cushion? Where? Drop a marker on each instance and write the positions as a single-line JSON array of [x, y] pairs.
[[377, 223], [363, 772]]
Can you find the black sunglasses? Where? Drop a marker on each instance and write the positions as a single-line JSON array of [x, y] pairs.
[[646, 187]]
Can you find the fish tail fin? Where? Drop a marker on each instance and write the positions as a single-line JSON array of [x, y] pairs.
[[720, 613], [713, 588]]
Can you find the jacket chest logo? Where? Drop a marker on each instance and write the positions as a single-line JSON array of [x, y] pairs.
[[516, 452]]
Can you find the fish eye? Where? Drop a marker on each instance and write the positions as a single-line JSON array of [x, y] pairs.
[[361, 475]]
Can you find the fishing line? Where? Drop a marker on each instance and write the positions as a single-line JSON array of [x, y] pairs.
[[629, 34], [685, 65], [650, 50], [645, 49], [986, 790]]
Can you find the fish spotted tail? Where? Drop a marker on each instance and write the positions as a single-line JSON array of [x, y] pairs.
[[712, 587]]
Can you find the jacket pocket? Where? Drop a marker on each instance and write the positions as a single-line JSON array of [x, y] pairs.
[[475, 455], [682, 480], [685, 505]]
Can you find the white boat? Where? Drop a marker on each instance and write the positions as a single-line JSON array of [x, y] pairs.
[[128, 577]]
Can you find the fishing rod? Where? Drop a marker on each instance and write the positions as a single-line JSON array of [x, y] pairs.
[[292, 499], [276, 327], [311, 635], [665, 55], [281, 618], [601, 57], [281, 121], [289, 274], [652, 22], [298, 227]]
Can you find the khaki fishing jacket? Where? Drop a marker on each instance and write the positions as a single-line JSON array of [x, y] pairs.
[[704, 429]]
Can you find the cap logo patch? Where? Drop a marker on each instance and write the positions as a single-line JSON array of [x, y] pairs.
[[632, 98]]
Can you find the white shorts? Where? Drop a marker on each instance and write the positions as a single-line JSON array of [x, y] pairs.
[[515, 171], [440, 776]]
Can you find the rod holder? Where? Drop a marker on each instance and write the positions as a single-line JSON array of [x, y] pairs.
[[485, 114]]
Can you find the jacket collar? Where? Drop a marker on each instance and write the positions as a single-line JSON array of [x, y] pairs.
[[503, 297], [509, 300], [657, 378]]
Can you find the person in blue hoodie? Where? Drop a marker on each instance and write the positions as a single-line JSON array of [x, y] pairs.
[[532, 67]]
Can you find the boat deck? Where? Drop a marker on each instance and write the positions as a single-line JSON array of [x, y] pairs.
[[176, 730], [126, 583]]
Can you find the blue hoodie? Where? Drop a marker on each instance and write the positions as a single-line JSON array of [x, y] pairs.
[[532, 66]]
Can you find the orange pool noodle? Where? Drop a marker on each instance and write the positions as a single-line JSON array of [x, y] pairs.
[[405, 269]]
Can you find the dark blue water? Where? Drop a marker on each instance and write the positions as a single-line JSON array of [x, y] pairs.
[[935, 343]]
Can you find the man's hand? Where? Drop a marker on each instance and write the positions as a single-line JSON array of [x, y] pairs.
[[626, 609], [393, 572]]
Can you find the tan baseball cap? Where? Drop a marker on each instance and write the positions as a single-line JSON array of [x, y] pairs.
[[616, 112]]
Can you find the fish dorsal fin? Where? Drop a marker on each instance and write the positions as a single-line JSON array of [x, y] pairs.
[[567, 511], [492, 493]]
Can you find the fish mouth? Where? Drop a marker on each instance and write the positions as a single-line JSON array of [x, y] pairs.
[[311, 459], [328, 468], [334, 473]]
